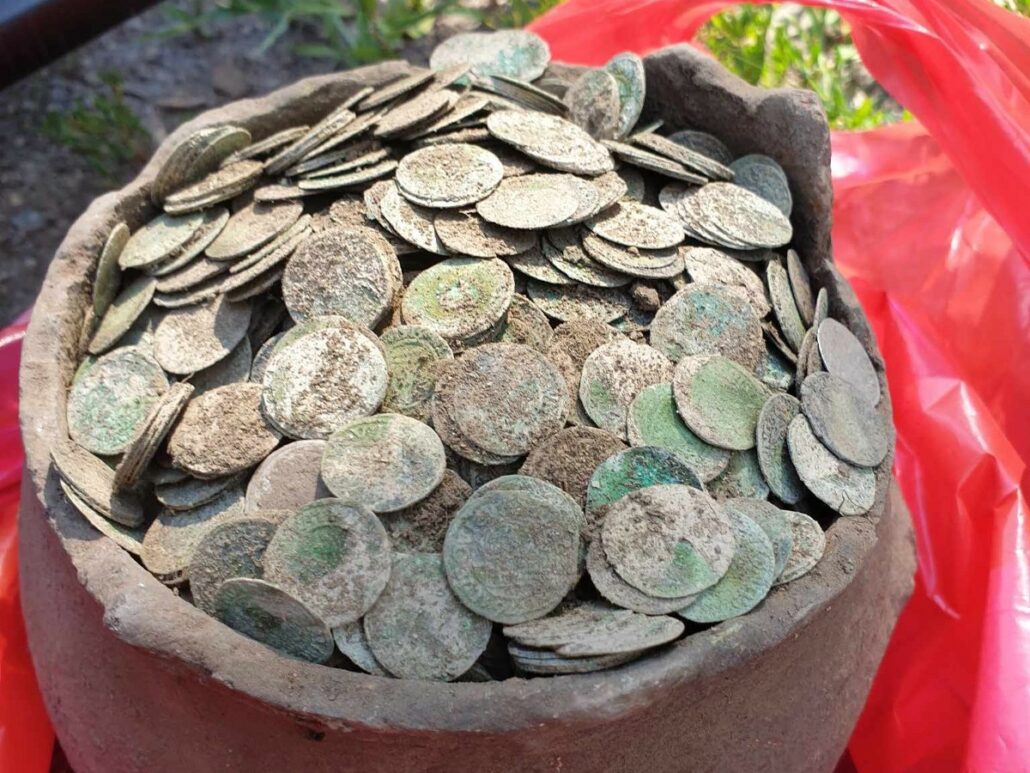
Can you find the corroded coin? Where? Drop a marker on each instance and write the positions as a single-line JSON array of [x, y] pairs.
[[130, 539], [531, 201], [593, 102], [267, 145], [783, 304], [526, 324], [822, 307], [196, 337], [187, 492], [628, 70], [517, 53], [394, 89], [288, 478], [668, 540], [333, 556], [741, 478], [848, 489], [196, 155], [807, 546], [634, 634], [421, 527], [648, 264], [632, 224], [706, 144], [272, 616], [687, 157], [534, 264], [771, 445], [719, 400], [746, 582], [410, 222], [220, 185], [93, 482], [159, 239], [385, 462], [652, 420], [634, 469], [511, 556], [708, 319], [569, 457], [465, 233], [613, 375], [460, 299], [528, 660], [231, 549], [230, 370], [653, 162], [223, 432], [351, 641], [252, 227], [109, 403], [764, 176], [773, 521], [546, 492], [616, 590], [844, 356], [412, 357], [409, 116], [844, 421], [566, 624], [151, 434], [108, 275], [346, 271], [801, 286], [746, 220], [323, 373], [579, 302], [707, 265], [551, 141], [563, 248], [122, 314], [448, 176], [418, 629]]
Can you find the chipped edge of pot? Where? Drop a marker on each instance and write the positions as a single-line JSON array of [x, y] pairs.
[[130, 596]]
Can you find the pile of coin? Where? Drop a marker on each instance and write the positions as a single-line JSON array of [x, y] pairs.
[[475, 376]]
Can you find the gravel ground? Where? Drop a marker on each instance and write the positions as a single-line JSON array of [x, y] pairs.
[[45, 186]]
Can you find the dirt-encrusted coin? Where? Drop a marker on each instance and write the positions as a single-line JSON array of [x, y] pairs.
[[231, 549], [188, 493], [744, 219], [844, 421], [413, 355], [130, 539], [333, 556], [108, 275], [518, 53], [551, 141], [844, 356], [151, 434], [762, 175], [771, 445], [593, 102], [637, 468], [449, 175], [323, 373], [351, 641], [220, 185], [159, 239], [628, 70], [707, 265], [783, 304], [530, 201], [848, 489], [534, 264], [616, 590], [704, 143], [421, 527], [252, 227], [579, 302], [196, 155], [647, 264], [288, 478], [465, 233], [418, 629], [123, 313], [807, 546], [634, 634], [569, 457], [567, 623], [563, 248], [632, 224], [93, 482], [708, 319], [526, 324], [196, 337], [613, 376], [719, 400], [741, 478]]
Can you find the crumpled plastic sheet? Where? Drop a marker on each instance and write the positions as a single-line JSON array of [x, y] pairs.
[[931, 228]]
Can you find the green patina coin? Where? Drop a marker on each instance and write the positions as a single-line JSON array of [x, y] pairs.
[[708, 319], [764, 176], [232, 549], [773, 521], [579, 302], [613, 376], [252, 227], [384, 462], [323, 373], [130, 539], [516, 53], [122, 314], [668, 540], [448, 175], [346, 271], [628, 71], [632, 224], [511, 556], [196, 337], [709, 266], [635, 633], [109, 403], [288, 478], [195, 156], [465, 233], [848, 489], [568, 458], [93, 482], [652, 420], [333, 556], [188, 493], [808, 546], [151, 434], [551, 141], [421, 527], [844, 356], [460, 299], [567, 624], [351, 641], [563, 248], [741, 478], [534, 264], [771, 445], [616, 590], [525, 324], [719, 400], [775, 371], [634, 469], [159, 239], [530, 202], [746, 582], [108, 276], [418, 629], [737, 217], [413, 355], [783, 304], [172, 538], [846, 423], [593, 101], [270, 615], [542, 489]]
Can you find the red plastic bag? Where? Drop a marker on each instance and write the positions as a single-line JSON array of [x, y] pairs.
[[930, 226]]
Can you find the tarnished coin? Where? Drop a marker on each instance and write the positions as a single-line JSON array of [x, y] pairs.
[[541, 662], [193, 338], [773, 521], [384, 462], [411, 115], [159, 239], [351, 179], [93, 482], [593, 101], [511, 556], [418, 629], [517, 53], [741, 478], [196, 155], [775, 371], [460, 299], [807, 547], [628, 70], [783, 304], [610, 188], [187, 493], [270, 615], [848, 489], [526, 324], [708, 319], [531, 201], [172, 538], [801, 286], [151, 434], [707, 265], [719, 400], [647, 264], [467, 106], [686, 157], [394, 89], [568, 458], [764, 176], [267, 145], [634, 469], [412, 357], [541, 489], [109, 403], [108, 276], [323, 373], [771, 445], [130, 539], [288, 478], [448, 176], [844, 421], [637, 225], [844, 356], [579, 302], [230, 370], [220, 185], [351, 641], [231, 549], [252, 227], [633, 634], [312, 141], [653, 162], [534, 264], [333, 556], [122, 314], [746, 582], [345, 271], [551, 141], [465, 233], [706, 144], [652, 420], [668, 540], [421, 527], [563, 248], [223, 432], [566, 624], [616, 590], [822, 308], [746, 220], [612, 377]]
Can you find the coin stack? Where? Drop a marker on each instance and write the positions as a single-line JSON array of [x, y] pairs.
[[477, 376]]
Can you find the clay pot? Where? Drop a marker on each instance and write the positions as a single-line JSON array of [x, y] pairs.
[[136, 679]]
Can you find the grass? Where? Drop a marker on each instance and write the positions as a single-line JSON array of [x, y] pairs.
[[104, 130]]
